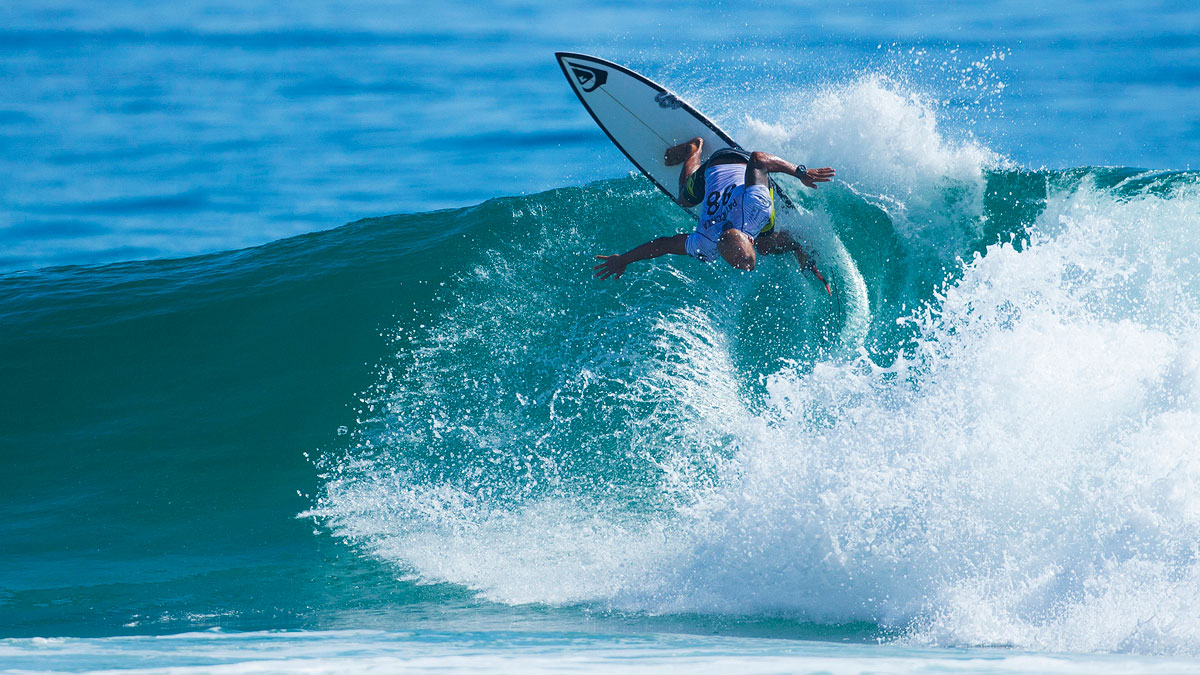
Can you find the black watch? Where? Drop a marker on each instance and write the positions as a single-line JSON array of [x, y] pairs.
[[801, 170]]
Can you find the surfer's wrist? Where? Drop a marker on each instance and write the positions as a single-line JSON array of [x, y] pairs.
[[801, 171]]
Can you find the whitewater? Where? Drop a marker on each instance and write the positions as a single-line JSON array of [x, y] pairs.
[[1010, 463], [430, 441]]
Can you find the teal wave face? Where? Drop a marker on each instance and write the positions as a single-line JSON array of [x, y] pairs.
[[482, 413], [155, 419]]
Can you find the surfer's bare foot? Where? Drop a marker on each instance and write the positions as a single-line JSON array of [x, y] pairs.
[[679, 153]]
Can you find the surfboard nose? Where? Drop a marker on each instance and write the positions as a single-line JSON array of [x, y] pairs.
[[583, 72]]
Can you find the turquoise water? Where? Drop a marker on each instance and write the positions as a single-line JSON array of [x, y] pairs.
[[430, 440]]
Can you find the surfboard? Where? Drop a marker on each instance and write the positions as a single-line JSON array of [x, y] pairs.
[[640, 116], [643, 118]]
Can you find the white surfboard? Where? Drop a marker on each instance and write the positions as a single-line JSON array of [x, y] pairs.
[[643, 119]]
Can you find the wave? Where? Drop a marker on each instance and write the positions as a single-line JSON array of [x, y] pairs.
[[1008, 462], [1005, 458]]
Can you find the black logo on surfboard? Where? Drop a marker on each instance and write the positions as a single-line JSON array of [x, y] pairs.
[[668, 101], [589, 78]]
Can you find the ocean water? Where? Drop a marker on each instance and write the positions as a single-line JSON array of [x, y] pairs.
[[303, 369]]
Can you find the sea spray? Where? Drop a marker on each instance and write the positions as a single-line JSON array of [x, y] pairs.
[[1012, 464]]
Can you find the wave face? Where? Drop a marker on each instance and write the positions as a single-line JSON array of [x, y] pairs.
[[1009, 459]]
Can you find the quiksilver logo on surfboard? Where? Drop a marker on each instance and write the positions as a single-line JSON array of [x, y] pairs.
[[588, 78]]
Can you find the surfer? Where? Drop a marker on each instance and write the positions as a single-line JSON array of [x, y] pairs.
[[737, 219]]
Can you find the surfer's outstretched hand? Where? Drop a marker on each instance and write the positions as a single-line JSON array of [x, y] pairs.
[[814, 176], [612, 266]]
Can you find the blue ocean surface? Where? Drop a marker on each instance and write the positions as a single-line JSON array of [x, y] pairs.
[[303, 367]]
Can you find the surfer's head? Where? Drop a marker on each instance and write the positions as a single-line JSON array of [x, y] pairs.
[[737, 248]]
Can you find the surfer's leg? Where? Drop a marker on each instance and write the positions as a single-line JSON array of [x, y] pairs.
[[691, 181], [679, 153]]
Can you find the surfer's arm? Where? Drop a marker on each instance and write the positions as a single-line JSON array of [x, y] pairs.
[[614, 265], [762, 163]]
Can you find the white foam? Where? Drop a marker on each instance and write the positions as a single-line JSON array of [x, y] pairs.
[[557, 651], [887, 143], [1025, 474]]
